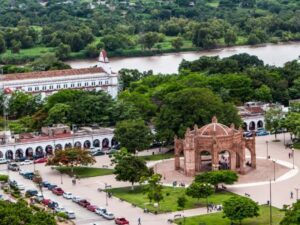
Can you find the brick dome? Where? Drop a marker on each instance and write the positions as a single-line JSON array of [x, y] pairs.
[[215, 129]]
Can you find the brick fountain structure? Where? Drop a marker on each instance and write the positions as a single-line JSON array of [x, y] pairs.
[[214, 138]]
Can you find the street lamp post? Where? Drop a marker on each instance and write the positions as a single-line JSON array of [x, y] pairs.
[[274, 163], [270, 202], [267, 142], [106, 194], [293, 152], [297, 190]]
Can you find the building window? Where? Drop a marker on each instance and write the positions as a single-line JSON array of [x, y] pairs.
[[65, 85], [93, 83], [29, 89], [100, 82], [72, 85], [106, 82], [86, 84], [78, 84], [36, 88], [58, 86], [51, 87], [44, 88]]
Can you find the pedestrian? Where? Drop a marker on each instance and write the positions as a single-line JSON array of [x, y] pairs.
[[139, 221], [292, 195], [289, 155]]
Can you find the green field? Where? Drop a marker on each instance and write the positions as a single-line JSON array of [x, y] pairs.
[[139, 198], [83, 172], [158, 157], [217, 218]]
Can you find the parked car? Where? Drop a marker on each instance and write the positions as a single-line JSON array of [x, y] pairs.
[[26, 162], [92, 208], [28, 175], [39, 197], [46, 201], [45, 184], [97, 153], [121, 221], [37, 157], [76, 199], [21, 159], [31, 192], [111, 151], [68, 195], [3, 161], [57, 191], [70, 215], [100, 211], [108, 215], [51, 186], [84, 203], [248, 134], [52, 205], [13, 167], [262, 133], [41, 160], [59, 209], [20, 186]]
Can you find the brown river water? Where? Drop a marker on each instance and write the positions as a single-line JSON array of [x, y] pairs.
[[272, 54]]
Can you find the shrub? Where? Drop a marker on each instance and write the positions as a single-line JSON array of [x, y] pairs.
[[3, 178]]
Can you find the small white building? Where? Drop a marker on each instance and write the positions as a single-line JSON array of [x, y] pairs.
[[48, 82]]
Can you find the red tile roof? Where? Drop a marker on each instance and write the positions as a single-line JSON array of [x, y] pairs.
[[255, 109], [51, 73]]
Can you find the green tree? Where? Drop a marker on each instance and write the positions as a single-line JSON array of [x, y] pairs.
[[291, 216], [91, 50], [15, 46], [230, 37], [239, 208], [59, 113], [127, 76], [134, 135], [217, 177], [177, 43], [154, 188], [181, 202], [148, 40], [263, 93], [48, 61], [274, 120], [63, 51], [129, 168], [2, 45], [200, 190]]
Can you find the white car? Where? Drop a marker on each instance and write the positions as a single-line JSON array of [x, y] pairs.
[[39, 197], [108, 215], [100, 211], [70, 214], [20, 186], [22, 171], [68, 195], [3, 161], [26, 162], [59, 209], [76, 199]]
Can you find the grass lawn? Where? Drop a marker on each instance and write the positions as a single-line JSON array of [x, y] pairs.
[[83, 172], [139, 198], [217, 218], [158, 156]]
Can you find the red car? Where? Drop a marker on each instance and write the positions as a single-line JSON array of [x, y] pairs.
[[58, 191], [92, 208], [121, 221], [84, 203], [46, 201], [41, 160]]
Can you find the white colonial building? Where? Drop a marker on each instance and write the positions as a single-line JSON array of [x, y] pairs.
[[49, 82], [53, 139]]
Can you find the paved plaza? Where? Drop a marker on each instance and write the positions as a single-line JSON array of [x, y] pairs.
[[287, 179]]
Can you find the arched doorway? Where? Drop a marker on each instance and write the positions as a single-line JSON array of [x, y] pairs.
[[49, 150], [252, 125], [29, 152], [77, 144], [245, 126], [1, 155], [68, 145], [9, 154], [260, 124], [96, 143], [105, 143], [58, 147], [19, 153], [39, 151], [204, 161], [87, 144], [224, 158]]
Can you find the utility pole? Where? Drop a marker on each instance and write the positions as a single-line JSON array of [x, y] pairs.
[[271, 202], [297, 190], [267, 142]]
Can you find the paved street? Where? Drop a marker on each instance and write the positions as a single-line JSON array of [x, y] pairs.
[[87, 188]]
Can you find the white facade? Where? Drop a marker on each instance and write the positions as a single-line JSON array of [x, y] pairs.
[[48, 82], [102, 139]]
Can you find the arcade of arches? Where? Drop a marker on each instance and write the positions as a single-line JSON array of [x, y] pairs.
[[50, 149], [213, 147]]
